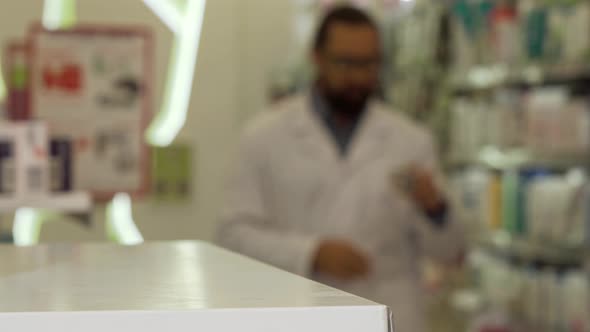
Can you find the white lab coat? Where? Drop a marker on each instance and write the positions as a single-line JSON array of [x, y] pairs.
[[291, 188]]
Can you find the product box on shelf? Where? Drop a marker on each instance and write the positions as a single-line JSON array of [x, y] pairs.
[[532, 297], [61, 164], [556, 123], [532, 204], [7, 161], [24, 158]]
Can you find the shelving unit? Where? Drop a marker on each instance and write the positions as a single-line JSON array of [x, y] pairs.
[[490, 78], [531, 271], [523, 251], [499, 159], [505, 153], [74, 202], [31, 213]]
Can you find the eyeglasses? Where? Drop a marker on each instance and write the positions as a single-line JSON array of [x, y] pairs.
[[347, 64]]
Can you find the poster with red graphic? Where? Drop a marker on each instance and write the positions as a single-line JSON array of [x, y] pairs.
[[92, 86]]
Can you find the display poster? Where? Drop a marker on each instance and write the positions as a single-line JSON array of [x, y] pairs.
[[92, 87]]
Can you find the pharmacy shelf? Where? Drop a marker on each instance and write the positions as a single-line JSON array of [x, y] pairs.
[[74, 202], [534, 252], [489, 78], [178, 286], [495, 158], [521, 325]]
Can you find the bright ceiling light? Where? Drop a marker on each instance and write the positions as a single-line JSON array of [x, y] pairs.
[[58, 14], [26, 227], [168, 12], [172, 117], [2, 84], [120, 225]]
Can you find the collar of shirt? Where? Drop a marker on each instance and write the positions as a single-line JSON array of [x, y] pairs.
[[343, 135]]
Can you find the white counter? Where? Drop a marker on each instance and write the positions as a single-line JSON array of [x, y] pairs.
[[181, 286]]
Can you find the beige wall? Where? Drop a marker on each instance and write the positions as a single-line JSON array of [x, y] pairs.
[[242, 41]]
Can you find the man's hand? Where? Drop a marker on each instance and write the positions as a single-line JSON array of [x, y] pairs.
[[339, 259], [423, 190]]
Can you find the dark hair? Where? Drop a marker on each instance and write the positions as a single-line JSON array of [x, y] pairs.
[[341, 14]]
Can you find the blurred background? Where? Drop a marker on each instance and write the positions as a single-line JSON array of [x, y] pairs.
[[121, 119]]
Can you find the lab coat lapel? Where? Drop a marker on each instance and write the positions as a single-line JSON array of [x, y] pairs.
[[314, 141], [367, 145], [314, 144]]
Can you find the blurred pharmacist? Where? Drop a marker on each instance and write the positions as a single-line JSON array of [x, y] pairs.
[[334, 186]]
